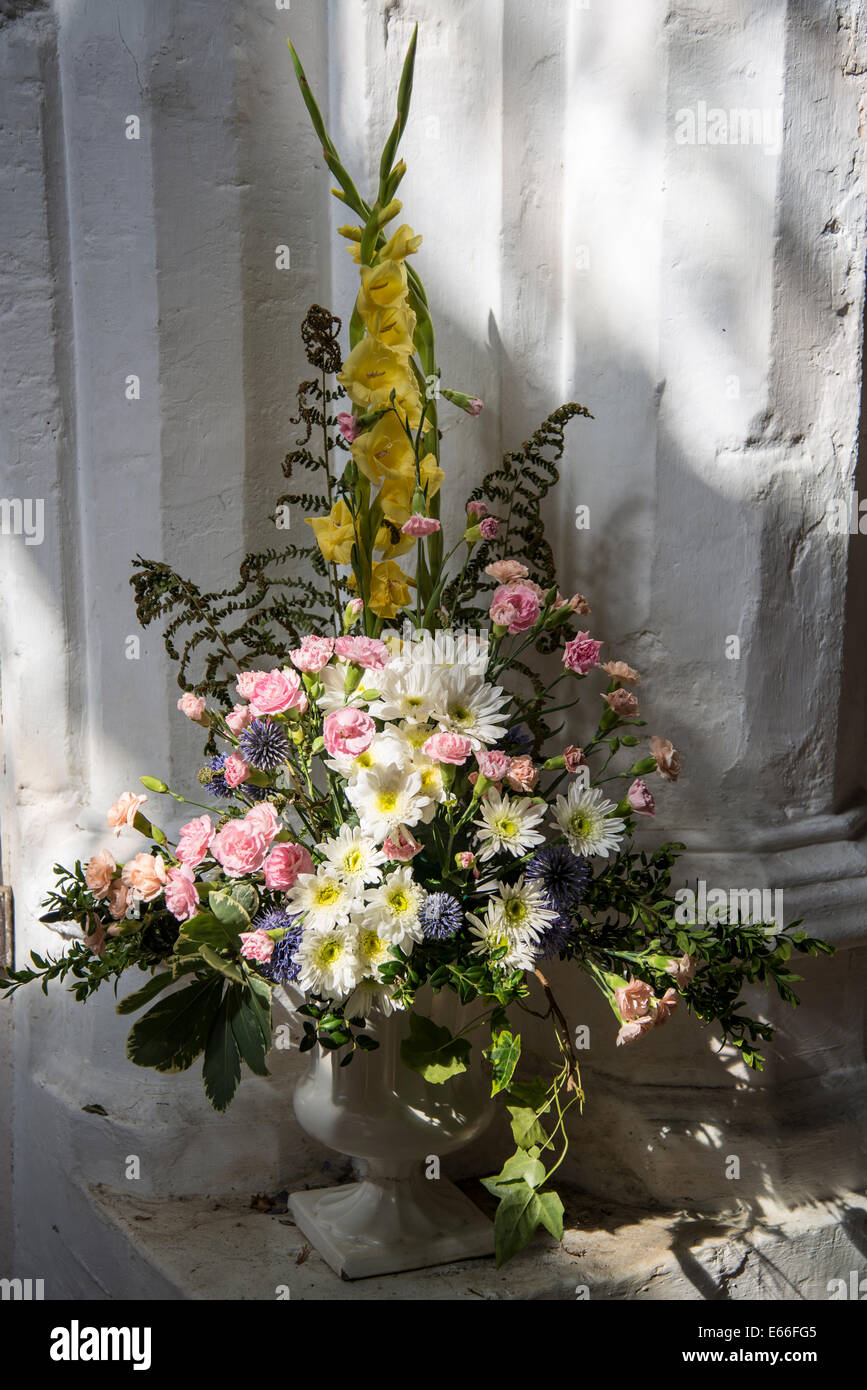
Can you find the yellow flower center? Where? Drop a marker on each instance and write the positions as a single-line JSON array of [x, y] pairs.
[[328, 953], [515, 910], [327, 894], [386, 801], [353, 861], [505, 827], [398, 901]]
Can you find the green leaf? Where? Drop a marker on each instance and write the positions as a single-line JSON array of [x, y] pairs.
[[503, 1055], [221, 1069], [145, 994], [432, 1051], [223, 967], [248, 1035], [229, 913], [521, 1167], [520, 1213], [246, 895], [174, 1032], [526, 1130]]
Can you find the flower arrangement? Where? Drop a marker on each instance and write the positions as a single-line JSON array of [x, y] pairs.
[[391, 806]]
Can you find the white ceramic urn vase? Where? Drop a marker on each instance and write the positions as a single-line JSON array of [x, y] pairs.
[[402, 1214]]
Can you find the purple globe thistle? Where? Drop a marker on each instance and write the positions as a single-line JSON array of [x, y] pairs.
[[264, 745], [553, 939], [561, 874], [281, 968], [212, 779], [515, 741], [440, 916]]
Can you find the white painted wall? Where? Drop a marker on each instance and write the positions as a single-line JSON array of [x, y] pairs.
[[705, 301]]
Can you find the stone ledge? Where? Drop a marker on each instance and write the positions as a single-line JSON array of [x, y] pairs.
[[208, 1248]]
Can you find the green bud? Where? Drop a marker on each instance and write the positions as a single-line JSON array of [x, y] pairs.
[[643, 765], [153, 784], [550, 764]]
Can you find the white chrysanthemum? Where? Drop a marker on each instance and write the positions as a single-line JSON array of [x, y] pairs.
[[370, 996], [385, 798], [392, 908], [470, 705], [328, 960], [507, 824], [407, 690], [492, 935], [353, 857], [384, 751], [324, 897], [333, 678], [522, 906], [586, 820]]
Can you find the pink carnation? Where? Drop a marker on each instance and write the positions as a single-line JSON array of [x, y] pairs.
[[493, 764], [418, 525], [239, 719], [368, 652], [665, 1007], [264, 819], [448, 748], [574, 758], [523, 774], [505, 571], [478, 510], [245, 683], [182, 897], [256, 945], [489, 527], [235, 770], [284, 864], [348, 426], [313, 654], [581, 654], [640, 798], [240, 848], [348, 732], [633, 1029], [465, 859], [193, 706], [633, 999], [515, 607], [196, 836], [401, 844], [274, 692]]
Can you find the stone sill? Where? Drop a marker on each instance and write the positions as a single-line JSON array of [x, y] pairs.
[[208, 1248]]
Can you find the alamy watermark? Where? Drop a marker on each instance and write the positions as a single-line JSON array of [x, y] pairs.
[[761, 126], [23, 516]]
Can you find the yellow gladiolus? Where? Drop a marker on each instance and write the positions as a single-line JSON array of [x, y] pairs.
[[403, 242], [372, 371], [395, 495], [383, 450], [335, 533], [389, 589], [390, 540], [393, 326], [382, 285]]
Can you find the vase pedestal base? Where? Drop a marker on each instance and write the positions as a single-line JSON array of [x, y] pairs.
[[391, 1222]]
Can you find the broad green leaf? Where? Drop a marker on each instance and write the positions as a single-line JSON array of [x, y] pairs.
[[148, 991], [551, 1213], [223, 967], [526, 1130], [432, 1051], [259, 998], [531, 1093], [229, 912], [248, 1035], [246, 895], [521, 1167], [520, 1213], [503, 1055], [221, 1069], [172, 1034]]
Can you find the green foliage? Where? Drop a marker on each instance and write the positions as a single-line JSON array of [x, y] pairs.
[[432, 1051]]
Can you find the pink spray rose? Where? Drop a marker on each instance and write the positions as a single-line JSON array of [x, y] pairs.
[[574, 758], [622, 702], [401, 844], [283, 865], [274, 692], [99, 873], [348, 426], [182, 896], [145, 876], [448, 748], [256, 945], [263, 819], [239, 718], [348, 732], [235, 770], [489, 527], [240, 848], [123, 813], [418, 525], [514, 606], [581, 654], [523, 774], [314, 653], [478, 510], [505, 571], [193, 706], [195, 838], [640, 799], [633, 999], [493, 764], [368, 652]]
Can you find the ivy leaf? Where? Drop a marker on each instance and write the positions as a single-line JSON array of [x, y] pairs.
[[432, 1051], [503, 1055], [521, 1212], [523, 1166], [526, 1130]]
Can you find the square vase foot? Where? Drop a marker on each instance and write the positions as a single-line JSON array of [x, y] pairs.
[[385, 1225]]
